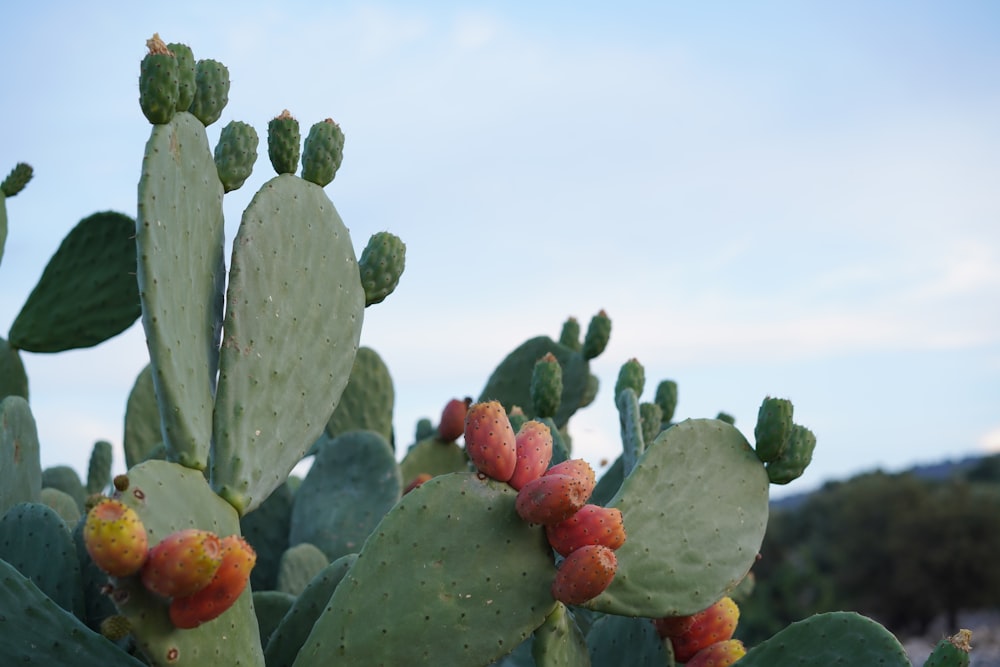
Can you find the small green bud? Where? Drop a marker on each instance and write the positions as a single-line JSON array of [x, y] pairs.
[[235, 154], [322, 153], [598, 334], [632, 376], [211, 94], [570, 334], [796, 457], [185, 75], [283, 141], [666, 398], [546, 386], [116, 628], [774, 425], [951, 651], [16, 179], [382, 263], [425, 429], [726, 417]]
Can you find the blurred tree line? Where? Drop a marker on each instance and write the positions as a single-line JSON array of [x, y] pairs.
[[897, 547]]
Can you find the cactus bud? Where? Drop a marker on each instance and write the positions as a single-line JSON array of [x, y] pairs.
[[16, 179], [598, 334], [158, 83], [632, 376], [570, 334], [774, 425], [283, 140], [211, 94], [382, 263], [322, 153], [235, 154], [185, 75], [546, 386], [666, 398], [797, 455]]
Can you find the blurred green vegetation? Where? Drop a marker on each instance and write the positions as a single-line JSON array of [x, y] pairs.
[[900, 548]]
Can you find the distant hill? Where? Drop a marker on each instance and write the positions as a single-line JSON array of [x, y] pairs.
[[929, 471]]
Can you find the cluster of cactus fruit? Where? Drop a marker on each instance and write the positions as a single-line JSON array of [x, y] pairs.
[[505, 551]]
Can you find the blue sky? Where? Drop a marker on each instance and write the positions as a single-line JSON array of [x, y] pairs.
[[773, 198]]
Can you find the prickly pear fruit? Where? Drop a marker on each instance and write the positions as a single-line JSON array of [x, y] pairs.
[[115, 538], [116, 627], [592, 524], [211, 92], [283, 143], [951, 651], [453, 419], [238, 559], [534, 453], [631, 375], [551, 499], [323, 152], [774, 426], [382, 262], [690, 634], [16, 179], [185, 74], [719, 654], [597, 336], [584, 574], [182, 563], [158, 82], [490, 440], [235, 154], [578, 469], [546, 386], [666, 398], [795, 457]]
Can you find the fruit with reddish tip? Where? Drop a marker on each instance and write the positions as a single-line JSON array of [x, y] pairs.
[[490, 440], [182, 563], [591, 524], [417, 481], [115, 538], [690, 634], [238, 559], [551, 499], [719, 654], [453, 419], [534, 453], [584, 574]]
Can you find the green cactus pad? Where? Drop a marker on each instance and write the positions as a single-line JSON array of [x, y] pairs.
[[299, 564], [451, 575], [158, 82], [290, 634], [546, 386], [99, 467], [13, 184], [63, 504], [597, 336], [181, 272], [294, 309], [559, 641], [618, 640], [169, 497], [67, 480], [433, 457], [13, 378], [352, 483], [284, 143], [186, 67], [270, 607], [322, 152], [235, 154], [695, 508], [368, 399], [87, 292], [666, 398], [382, 263], [821, 640], [510, 382], [37, 631], [211, 94], [20, 465], [142, 419], [266, 529], [36, 540]]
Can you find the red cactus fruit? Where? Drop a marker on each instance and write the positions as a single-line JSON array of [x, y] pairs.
[[577, 468], [591, 524], [719, 654], [490, 440], [453, 419], [238, 559], [182, 563], [115, 538], [550, 499], [690, 634], [534, 453], [584, 574], [417, 481]]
